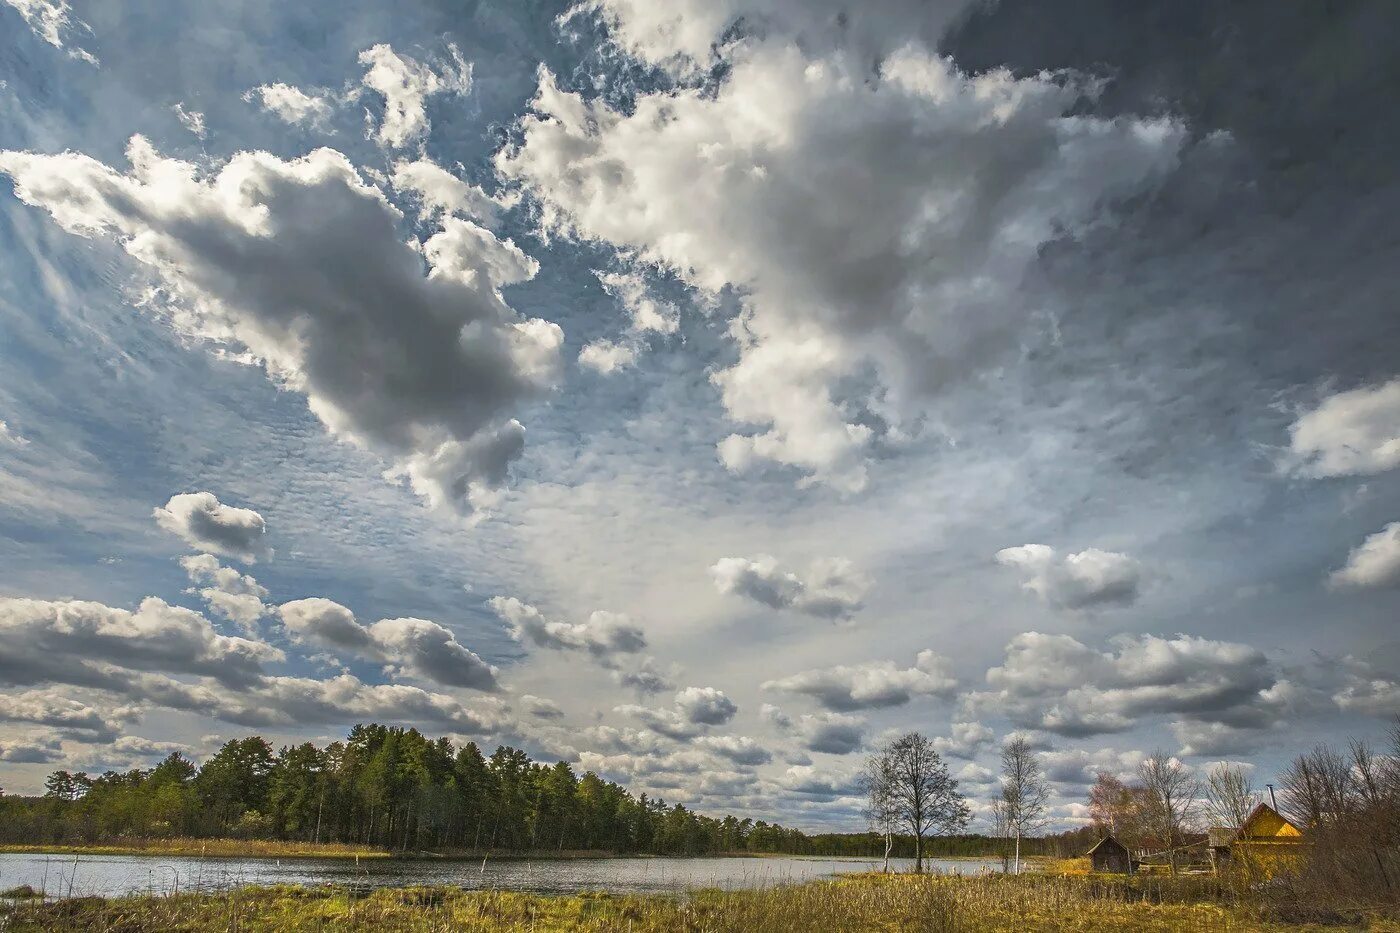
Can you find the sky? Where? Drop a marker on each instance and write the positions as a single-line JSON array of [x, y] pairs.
[[700, 392]]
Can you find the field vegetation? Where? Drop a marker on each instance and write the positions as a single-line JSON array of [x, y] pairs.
[[990, 903]]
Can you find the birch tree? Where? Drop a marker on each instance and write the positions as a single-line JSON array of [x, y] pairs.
[[1024, 792], [881, 803]]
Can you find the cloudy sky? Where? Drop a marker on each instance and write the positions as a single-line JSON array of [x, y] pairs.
[[700, 391]]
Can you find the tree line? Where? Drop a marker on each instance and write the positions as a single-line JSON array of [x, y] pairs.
[[383, 786], [394, 788]]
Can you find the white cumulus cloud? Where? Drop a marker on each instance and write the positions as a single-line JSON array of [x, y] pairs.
[[232, 595], [831, 589], [1374, 562], [1075, 581], [877, 684], [299, 265], [603, 635], [869, 221], [405, 84], [1354, 433], [206, 524], [293, 105]]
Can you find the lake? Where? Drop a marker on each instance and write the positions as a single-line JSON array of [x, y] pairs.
[[115, 875]]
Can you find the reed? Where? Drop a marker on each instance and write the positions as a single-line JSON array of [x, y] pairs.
[[939, 904]]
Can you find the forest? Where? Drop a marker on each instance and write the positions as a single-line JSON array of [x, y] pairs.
[[395, 788]]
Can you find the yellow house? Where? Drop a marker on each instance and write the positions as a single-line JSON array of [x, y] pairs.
[[1266, 842]]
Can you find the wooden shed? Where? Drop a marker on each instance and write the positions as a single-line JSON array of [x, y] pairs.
[[1108, 854]]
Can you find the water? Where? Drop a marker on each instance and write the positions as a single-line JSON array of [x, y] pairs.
[[115, 875]]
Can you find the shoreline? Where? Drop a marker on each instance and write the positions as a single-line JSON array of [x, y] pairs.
[[241, 849]]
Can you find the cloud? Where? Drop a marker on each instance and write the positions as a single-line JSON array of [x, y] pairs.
[[811, 781], [1081, 767], [234, 596], [1367, 691], [604, 635], [11, 437], [832, 733], [695, 709], [52, 20], [1057, 684], [1375, 562], [606, 357], [832, 588], [966, 741], [739, 749], [293, 105], [405, 85], [428, 651], [687, 34], [776, 716], [874, 685], [31, 751], [326, 623], [73, 642], [1215, 738], [705, 705], [646, 678], [300, 701], [1076, 581], [206, 524], [299, 266], [1354, 433], [71, 718], [415, 648], [541, 708], [192, 120], [876, 226], [130, 657], [646, 313], [441, 192]]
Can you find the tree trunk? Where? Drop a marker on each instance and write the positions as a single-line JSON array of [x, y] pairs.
[[1018, 853], [918, 853], [889, 844]]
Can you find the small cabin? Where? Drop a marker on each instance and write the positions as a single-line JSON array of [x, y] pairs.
[[1110, 855]]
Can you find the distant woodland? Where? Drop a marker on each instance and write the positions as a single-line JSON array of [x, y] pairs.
[[394, 788]]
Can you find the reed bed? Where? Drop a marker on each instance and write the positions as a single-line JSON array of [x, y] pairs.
[[956, 904]]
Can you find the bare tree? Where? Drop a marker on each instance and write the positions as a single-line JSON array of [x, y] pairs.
[[1024, 791], [1317, 787], [1230, 795], [925, 796], [881, 804], [1170, 795]]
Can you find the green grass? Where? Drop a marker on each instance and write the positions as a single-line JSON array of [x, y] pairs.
[[939, 904]]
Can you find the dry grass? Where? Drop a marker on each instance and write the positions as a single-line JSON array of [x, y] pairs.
[[1065, 866], [213, 848], [939, 904]]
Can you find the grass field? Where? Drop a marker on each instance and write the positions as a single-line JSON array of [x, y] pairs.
[[869, 902]]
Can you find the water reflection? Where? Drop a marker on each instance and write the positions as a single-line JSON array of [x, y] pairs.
[[114, 875]]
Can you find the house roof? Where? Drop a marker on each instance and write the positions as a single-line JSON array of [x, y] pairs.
[[1105, 841], [1265, 822]]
